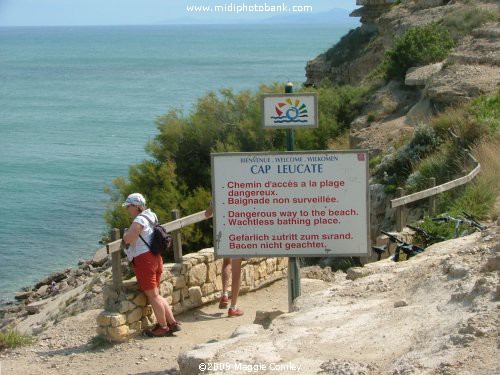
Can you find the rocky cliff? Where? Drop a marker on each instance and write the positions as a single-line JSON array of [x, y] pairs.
[[434, 314], [360, 51], [471, 69], [396, 107]]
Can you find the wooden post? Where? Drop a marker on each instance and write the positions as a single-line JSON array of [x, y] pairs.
[[432, 198], [116, 262], [176, 239], [399, 211]]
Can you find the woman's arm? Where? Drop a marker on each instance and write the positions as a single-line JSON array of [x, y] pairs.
[[132, 234]]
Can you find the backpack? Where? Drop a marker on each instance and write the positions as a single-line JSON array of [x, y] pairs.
[[161, 240]]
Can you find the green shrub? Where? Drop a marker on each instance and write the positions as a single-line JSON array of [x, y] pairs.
[[395, 168], [419, 45], [374, 162], [461, 22], [442, 165], [178, 173], [12, 339], [445, 230], [478, 198], [486, 110], [472, 122], [447, 121], [372, 116]]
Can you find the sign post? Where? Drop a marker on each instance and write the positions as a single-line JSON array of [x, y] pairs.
[[293, 262], [290, 204]]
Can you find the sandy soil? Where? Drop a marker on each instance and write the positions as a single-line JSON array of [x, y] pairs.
[[64, 348]]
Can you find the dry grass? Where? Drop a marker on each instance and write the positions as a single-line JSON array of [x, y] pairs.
[[340, 143], [486, 153], [12, 339]]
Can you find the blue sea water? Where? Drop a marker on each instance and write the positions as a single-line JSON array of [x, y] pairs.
[[78, 104]]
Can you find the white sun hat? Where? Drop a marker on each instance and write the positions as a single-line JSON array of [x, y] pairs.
[[135, 199]]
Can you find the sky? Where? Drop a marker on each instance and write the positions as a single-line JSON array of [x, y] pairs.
[[147, 12]]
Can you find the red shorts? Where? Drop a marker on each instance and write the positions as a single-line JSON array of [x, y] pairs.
[[148, 268]]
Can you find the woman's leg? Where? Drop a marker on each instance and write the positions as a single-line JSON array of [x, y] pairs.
[[236, 280], [156, 302], [226, 273], [169, 315]]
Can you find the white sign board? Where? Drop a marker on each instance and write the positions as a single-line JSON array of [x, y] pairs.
[[291, 204], [286, 111]]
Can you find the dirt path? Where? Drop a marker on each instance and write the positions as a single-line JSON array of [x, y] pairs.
[[436, 314], [64, 348]]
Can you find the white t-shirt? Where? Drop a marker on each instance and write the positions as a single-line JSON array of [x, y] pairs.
[[139, 247]]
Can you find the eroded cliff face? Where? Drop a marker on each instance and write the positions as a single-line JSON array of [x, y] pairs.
[[362, 49], [348, 61], [472, 69], [396, 108]]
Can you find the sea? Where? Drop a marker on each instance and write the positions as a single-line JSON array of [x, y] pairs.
[[79, 104]]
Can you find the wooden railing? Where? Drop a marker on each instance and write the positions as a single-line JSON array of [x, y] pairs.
[[401, 201], [173, 227]]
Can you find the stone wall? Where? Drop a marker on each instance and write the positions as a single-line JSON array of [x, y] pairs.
[[195, 282]]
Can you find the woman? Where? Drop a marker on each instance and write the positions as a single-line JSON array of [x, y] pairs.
[[148, 267], [231, 268]]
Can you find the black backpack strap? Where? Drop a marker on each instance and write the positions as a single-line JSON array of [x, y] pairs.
[[148, 219], [149, 247], [152, 224]]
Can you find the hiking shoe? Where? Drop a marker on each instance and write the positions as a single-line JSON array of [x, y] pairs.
[[175, 326], [158, 332], [235, 312], [223, 302]]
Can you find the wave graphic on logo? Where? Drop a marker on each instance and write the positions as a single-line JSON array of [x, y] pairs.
[[288, 112]]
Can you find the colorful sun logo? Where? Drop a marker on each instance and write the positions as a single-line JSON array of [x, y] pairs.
[[289, 111]]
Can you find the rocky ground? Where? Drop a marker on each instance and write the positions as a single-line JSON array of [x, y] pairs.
[[69, 346], [435, 314]]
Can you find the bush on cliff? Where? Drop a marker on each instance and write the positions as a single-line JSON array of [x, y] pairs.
[[434, 153], [418, 46], [395, 168]]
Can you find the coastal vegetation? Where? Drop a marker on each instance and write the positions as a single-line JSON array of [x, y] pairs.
[[426, 44], [420, 45], [461, 22], [433, 152], [10, 338], [178, 175]]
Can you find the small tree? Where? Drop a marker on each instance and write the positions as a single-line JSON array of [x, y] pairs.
[[178, 175], [418, 46]]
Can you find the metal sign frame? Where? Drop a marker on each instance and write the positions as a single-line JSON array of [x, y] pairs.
[[346, 217], [296, 111]]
